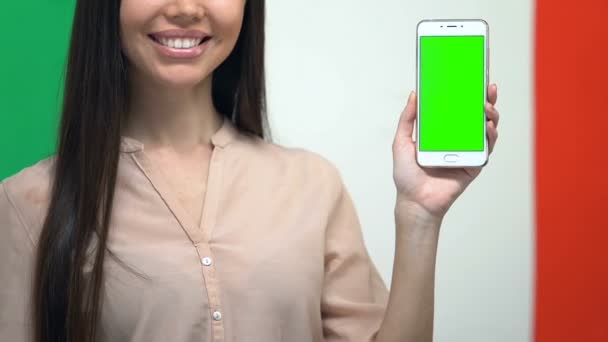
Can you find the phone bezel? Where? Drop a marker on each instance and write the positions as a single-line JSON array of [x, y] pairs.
[[444, 27]]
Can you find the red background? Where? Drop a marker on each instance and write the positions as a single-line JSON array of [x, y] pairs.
[[572, 171]]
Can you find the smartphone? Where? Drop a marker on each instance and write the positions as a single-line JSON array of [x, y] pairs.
[[452, 82]]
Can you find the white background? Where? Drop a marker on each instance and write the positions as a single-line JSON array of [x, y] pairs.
[[339, 72]]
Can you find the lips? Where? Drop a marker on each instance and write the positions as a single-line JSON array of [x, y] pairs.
[[180, 39], [180, 44]]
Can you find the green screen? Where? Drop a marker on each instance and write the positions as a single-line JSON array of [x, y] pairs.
[[32, 65], [452, 93]]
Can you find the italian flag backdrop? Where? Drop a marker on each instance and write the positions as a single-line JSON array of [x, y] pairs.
[[571, 149]]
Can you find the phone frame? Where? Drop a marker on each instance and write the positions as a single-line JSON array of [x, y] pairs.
[[459, 27]]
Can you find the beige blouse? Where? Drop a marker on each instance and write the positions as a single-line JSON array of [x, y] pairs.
[[278, 256]]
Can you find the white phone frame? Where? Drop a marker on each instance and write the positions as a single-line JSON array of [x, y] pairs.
[[441, 27]]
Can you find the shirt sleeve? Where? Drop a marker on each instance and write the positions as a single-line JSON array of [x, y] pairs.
[[16, 264], [354, 295]]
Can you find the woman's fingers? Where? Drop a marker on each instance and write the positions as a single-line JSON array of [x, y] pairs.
[[492, 135], [493, 94], [405, 128], [492, 114], [492, 124]]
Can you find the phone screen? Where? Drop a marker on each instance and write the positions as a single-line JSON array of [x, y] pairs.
[[452, 94]]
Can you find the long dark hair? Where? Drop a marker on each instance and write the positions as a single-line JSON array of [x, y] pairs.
[[66, 305]]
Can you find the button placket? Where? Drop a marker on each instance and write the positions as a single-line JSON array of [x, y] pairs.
[[212, 286], [206, 257]]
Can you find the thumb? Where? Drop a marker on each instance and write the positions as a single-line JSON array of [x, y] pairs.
[[405, 129]]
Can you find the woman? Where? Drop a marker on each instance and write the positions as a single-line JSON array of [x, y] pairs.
[[166, 215]]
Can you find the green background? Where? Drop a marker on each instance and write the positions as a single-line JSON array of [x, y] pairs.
[[452, 93], [32, 66]]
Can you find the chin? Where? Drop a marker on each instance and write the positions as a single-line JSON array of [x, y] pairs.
[[183, 82], [182, 79]]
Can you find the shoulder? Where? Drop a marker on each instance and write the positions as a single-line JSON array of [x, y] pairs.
[[296, 165], [25, 195]]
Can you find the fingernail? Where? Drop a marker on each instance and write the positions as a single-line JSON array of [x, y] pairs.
[[410, 97]]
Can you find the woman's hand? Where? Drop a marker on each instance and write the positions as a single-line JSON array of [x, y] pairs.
[[433, 190]]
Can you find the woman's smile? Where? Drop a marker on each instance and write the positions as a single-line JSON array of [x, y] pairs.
[[180, 43]]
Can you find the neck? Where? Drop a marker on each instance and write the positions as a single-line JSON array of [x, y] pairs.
[[164, 116]]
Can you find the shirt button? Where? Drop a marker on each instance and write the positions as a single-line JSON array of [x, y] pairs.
[[217, 316], [207, 261]]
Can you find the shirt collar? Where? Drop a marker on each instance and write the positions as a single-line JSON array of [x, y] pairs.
[[221, 138], [225, 135]]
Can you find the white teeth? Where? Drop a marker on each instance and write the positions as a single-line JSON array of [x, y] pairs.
[[180, 43], [188, 43]]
